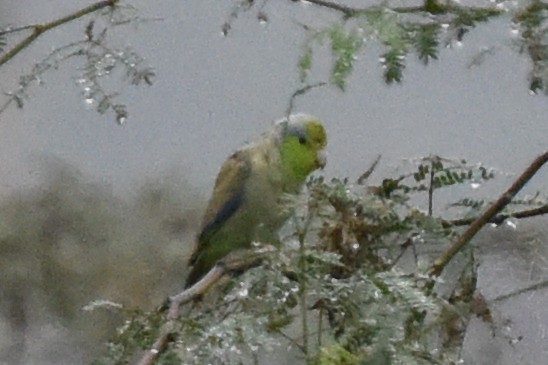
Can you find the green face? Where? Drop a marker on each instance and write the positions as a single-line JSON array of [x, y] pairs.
[[301, 150]]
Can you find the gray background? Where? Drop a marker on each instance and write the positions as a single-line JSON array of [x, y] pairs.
[[212, 93]]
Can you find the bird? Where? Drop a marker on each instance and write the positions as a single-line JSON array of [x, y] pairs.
[[246, 205]]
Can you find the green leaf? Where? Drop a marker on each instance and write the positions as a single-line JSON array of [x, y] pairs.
[[305, 63], [393, 62], [344, 46], [3, 42], [426, 41]]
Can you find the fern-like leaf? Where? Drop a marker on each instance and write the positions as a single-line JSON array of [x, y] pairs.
[[426, 42]]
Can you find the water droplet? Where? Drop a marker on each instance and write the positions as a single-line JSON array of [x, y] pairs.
[[511, 223], [121, 119], [501, 6], [263, 18], [243, 293], [514, 341]]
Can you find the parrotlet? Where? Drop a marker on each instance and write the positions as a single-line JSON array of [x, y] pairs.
[[247, 201]]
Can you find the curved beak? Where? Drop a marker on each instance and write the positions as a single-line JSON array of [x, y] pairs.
[[321, 158]]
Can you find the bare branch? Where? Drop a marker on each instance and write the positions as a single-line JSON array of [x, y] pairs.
[[369, 171], [534, 287], [301, 91], [461, 241], [498, 219], [346, 10], [39, 29]]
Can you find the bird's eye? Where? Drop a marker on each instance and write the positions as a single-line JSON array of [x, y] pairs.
[[302, 140]]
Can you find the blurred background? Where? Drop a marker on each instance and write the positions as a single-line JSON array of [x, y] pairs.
[[95, 210]]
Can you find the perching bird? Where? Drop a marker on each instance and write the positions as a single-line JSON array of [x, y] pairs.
[[246, 202]]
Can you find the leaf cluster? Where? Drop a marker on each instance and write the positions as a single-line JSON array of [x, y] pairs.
[[533, 26], [340, 289], [101, 60], [424, 31]]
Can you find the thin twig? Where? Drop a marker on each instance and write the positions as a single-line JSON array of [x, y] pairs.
[[38, 70], [366, 174], [534, 287], [235, 262], [10, 30], [439, 264], [291, 340], [320, 326], [431, 189], [349, 11], [346, 10], [302, 293], [498, 219], [39, 29], [301, 91]]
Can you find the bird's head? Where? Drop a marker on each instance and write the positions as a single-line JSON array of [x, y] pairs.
[[302, 142]]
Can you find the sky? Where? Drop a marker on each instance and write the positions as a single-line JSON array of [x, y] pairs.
[[212, 94]]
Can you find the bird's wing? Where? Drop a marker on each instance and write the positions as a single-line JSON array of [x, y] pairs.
[[227, 197]]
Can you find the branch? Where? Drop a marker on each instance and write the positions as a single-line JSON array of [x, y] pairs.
[[235, 262], [369, 171], [39, 29], [38, 69], [498, 219], [534, 287], [303, 90], [346, 10], [431, 7], [461, 241]]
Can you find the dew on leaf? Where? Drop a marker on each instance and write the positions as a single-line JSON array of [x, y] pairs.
[[475, 185]]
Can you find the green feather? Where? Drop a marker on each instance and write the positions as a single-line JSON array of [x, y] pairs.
[[246, 202]]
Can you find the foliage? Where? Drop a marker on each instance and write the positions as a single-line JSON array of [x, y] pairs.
[[400, 31], [336, 291], [3, 42], [101, 61], [533, 26], [423, 30]]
